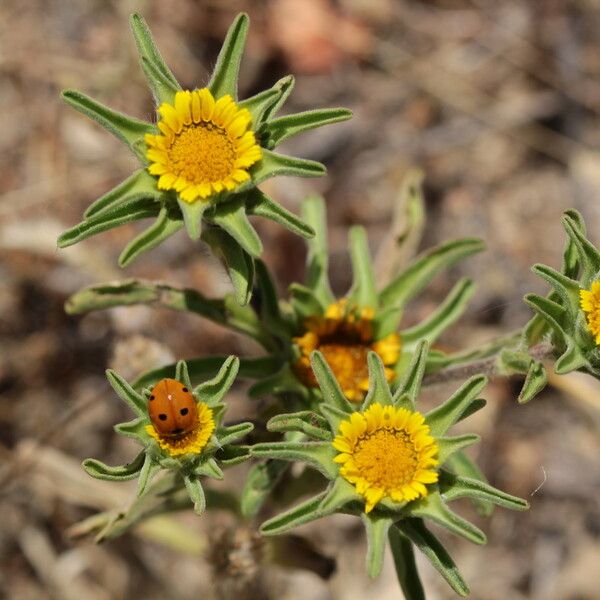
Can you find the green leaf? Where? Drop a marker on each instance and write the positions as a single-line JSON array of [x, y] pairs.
[[313, 212], [453, 487], [225, 75], [588, 253], [440, 419], [193, 213], [334, 416], [449, 445], [386, 321], [447, 313], [142, 208], [363, 292], [167, 223], [304, 302], [134, 429], [280, 382], [99, 470], [339, 493], [553, 313], [298, 515], [212, 392], [565, 287], [162, 82], [149, 470], [379, 390], [430, 546], [134, 400], [273, 164], [261, 103], [571, 360], [330, 388], [260, 205], [231, 216], [318, 455], [472, 408], [305, 421], [239, 264], [139, 185], [285, 127], [194, 487], [287, 85], [535, 381], [413, 279], [230, 456], [210, 468], [261, 480], [410, 385], [270, 313], [461, 464], [182, 373], [433, 507], [234, 433], [406, 567], [129, 130], [377, 531]]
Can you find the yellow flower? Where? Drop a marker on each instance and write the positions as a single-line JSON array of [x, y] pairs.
[[387, 452], [345, 336], [590, 304], [192, 442], [205, 145]]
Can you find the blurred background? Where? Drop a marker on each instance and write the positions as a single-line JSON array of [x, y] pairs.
[[497, 102]]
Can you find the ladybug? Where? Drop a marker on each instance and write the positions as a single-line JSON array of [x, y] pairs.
[[172, 408]]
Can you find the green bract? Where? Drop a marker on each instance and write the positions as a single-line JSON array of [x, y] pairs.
[[228, 231], [189, 468], [402, 523]]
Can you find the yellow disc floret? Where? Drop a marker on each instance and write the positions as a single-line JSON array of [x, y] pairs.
[[387, 452], [191, 442], [344, 335], [590, 304], [205, 145]]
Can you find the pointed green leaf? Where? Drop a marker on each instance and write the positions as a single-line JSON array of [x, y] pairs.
[[472, 408], [535, 381], [571, 360], [231, 216], [225, 75], [318, 455], [239, 264], [139, 185], [413, 279], [440, 419], [447, 313], [298, 515], [377, 532], [260, 104], [449, 445], [406, 567], [332, 393], [588, 253], [304, 302], [99, 470], [363, 290], [129, 130], [305, 421], [379, 389], [211, 392], [261, 205], [287, 85], [566, 288], [339, 493], [317, 260], [261, 480], [411, 383], [193, 213], [134, 400], [142, 208], [270, 313], [430, 546], [334, 416], [134, 429], [164, 227], [162, 82], [453, 487], [210, 468], [149, 470], [461, 464], [285, 127], [230, 456], [182, 374], [273, 164], [433, 507], [386, 321], [553, 313], [234, 433], [193, 485]]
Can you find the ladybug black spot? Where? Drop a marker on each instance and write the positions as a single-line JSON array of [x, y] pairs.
[[162, 417], [184, 389], [177, 431], [152, 397], [184, 411]]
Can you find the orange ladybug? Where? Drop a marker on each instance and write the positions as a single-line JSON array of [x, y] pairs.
[[172, 408]]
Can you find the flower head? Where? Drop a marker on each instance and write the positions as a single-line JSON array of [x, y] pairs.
[[387, 452], [204, 147], [590, 304], [344, 335]]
